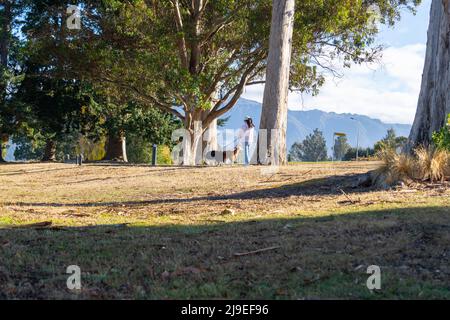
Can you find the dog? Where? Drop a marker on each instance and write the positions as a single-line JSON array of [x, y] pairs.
[[221, 157]]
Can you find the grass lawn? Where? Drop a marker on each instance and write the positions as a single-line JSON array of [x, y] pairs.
[[171, 233]]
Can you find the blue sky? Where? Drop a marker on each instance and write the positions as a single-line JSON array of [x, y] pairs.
[[387, 90]]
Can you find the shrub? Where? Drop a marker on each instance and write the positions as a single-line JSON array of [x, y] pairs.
[[140, 151], [441, 138]]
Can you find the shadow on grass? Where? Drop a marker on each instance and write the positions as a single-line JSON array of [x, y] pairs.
[[317, 187], [69, 166], [309, 258]]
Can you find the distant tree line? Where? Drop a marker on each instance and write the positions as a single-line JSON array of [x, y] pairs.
[[313, 148]]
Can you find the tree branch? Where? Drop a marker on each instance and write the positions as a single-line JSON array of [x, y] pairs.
[[147, 97], [181, 41], [238, 90]]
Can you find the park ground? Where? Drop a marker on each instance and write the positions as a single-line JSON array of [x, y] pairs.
[[137, 232]]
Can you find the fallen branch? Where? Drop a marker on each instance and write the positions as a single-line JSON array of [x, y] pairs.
[[255, 251], [265, 181], [348, 197]]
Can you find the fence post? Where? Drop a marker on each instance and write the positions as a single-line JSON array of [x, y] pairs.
[[154, 154]]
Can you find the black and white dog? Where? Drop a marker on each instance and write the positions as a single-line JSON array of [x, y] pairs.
[[221, 157]]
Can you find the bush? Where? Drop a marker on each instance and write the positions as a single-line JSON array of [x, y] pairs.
[[91, 150], [140, 151], [441, 138], [164, 156]]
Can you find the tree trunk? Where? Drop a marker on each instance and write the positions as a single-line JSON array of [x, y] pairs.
[[274, 109], [1, 151], [4, 138], [210, 137], [200, 137], [116, 148], [434, 99], [50, 151]]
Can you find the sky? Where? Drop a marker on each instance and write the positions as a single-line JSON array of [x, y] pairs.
[[388, 90]]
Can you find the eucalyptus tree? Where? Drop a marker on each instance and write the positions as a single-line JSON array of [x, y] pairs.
[[275, 103], [434, 100], [194, 59]]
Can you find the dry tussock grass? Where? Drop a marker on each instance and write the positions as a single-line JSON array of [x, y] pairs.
[[427, 164], [432, 164]]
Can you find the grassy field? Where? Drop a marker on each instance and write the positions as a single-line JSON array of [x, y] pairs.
[[170, 233]]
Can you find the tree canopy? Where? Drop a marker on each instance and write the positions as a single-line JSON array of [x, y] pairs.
[[193, 59], [313, 148]]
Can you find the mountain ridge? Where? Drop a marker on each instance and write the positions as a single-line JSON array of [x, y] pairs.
[[303, 122]]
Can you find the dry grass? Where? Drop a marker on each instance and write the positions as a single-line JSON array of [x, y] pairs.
[[395, 168], [432, 164], [180, 242], [425, 165]]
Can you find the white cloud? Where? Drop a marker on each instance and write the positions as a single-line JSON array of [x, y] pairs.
[[388, 91]]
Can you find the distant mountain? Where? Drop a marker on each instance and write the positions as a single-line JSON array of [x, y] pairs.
[[302, 123]]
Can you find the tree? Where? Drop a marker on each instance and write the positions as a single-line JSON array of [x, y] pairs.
[[9, 19], [391, 141], [54, 105], [144, 127], [340, 148], [40, 98], [193, 59], [274, 108], [313, 148], [434, 100], [5, 38]]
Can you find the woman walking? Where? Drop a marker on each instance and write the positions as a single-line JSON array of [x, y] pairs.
[[247, 134]]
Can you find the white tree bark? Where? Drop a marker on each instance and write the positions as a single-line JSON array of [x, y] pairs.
[[434, 99], [274, 110]]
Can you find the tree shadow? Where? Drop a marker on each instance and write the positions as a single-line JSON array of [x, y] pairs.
[[333, 185], [70, 166], [293, 258]]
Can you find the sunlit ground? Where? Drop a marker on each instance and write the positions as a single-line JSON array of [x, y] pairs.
[[231, 232]]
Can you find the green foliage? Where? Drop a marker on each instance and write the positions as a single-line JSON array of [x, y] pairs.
[[222, 122], [441, 138], [92, 150], [31, 147], [143, 53], [340, 148], [313, 148], [132, 58], [143, 127], [141, 151], [362, 153], [391, 141], [28, 149]]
